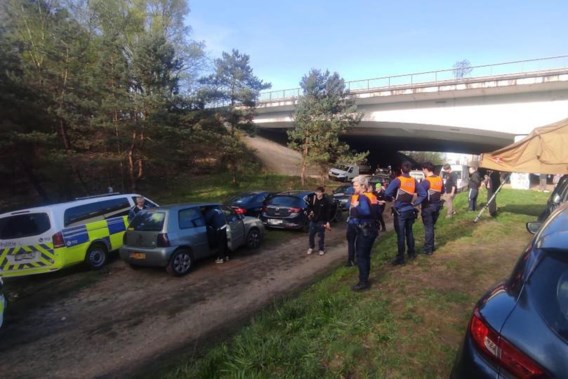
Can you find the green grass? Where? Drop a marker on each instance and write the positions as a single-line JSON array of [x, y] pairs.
[[408, 325]]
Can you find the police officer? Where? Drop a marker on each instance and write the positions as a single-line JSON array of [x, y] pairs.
[[402, 189], [351, 234], [434, 187], [363, 215]]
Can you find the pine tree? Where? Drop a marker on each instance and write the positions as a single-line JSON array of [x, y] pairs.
[[233, 90], [323, 113]]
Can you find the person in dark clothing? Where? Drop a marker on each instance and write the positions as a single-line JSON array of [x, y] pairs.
[[217, 232], [402, 190], [492, 183], [450, 189], [434, 187], [351, 235], [473, 185], [319, 209], [363, 215], [380, 194], [140, 205]]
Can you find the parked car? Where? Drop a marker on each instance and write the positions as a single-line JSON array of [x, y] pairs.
[[249, 203], [519, 328], [48, 238], [417, 174], [558, 196], [175, 236], [287, 210], [342, 195]]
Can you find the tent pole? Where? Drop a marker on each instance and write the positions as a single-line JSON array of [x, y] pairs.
[[491, 199]]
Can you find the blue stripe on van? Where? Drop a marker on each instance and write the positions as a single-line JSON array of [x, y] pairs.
[[75, 235], [116, 225]]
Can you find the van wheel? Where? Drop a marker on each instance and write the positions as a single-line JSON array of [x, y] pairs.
[[254, 238], [180, 262], [97, 256]]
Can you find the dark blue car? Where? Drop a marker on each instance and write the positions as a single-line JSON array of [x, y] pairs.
[[249, 203], [519, 328]]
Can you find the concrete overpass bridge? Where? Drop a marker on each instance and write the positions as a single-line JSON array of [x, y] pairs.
[[434, 111]]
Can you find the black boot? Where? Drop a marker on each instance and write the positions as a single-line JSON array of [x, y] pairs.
[[360, 286]]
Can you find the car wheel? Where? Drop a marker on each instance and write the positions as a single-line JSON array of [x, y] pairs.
[[180, 262], [254, 238], [96, 256]]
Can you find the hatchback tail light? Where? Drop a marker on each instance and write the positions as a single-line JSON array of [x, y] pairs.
[[240, 211], [163, 240], [501, 351], [57, 240], [295, 210]]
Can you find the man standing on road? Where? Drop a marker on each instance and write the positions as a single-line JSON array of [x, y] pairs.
[[402, 189], [473, 185], [434, 187], [450, 188], [319, 209], [217, 232], [363, 215]]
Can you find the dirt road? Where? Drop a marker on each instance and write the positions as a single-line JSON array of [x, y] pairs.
[[116, 321]]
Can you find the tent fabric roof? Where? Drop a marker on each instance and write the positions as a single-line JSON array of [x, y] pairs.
[[543, 151]]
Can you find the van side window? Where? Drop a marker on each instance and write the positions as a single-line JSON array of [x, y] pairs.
[[25, 225], [190, 218], [149, 203], [96, 211]]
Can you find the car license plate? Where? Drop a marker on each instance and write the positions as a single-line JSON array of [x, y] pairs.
[[137, 256], [23, 258], [274, 222]]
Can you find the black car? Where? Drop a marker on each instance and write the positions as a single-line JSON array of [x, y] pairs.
[[342, 195], [519, 328], [249, 203], [287, 210], [557, 197]]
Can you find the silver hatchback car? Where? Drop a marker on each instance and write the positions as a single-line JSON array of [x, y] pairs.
[[175, 236]]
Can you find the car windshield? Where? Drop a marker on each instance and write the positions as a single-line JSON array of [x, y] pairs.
[[344, 189], [148, 221]]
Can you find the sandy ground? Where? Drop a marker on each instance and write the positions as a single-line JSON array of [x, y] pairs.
[[277, 158]]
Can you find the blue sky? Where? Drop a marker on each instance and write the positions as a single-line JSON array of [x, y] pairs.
[[363, 39]]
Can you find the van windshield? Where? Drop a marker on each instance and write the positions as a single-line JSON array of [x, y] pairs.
[[25, 225]]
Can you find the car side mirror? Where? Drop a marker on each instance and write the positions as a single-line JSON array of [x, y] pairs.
[[556, 199], [533, 227]]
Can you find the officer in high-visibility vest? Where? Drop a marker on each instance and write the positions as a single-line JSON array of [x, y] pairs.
[[434, 187], [403, 189], [363, 216]]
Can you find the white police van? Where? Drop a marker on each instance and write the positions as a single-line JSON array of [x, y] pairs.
[[48, 238]]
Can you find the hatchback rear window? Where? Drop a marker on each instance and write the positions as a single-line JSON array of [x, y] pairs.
[[287, 201], [148, 221], [243, 199], [25, 225]]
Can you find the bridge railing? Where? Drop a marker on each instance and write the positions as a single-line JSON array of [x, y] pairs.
[[435, 77]]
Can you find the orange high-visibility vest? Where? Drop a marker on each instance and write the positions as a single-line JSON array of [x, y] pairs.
[[435, 190], [407, 189]]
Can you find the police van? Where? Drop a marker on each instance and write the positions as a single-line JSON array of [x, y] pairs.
[[48, 238]]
